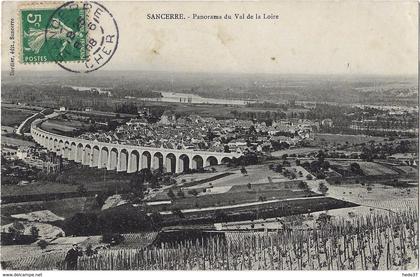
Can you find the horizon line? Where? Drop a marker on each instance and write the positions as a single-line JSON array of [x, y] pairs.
[[349, 74]]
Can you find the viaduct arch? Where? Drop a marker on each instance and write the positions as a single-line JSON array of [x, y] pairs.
[[126, 158]]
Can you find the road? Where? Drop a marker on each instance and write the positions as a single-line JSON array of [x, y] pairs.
[[242, 205]]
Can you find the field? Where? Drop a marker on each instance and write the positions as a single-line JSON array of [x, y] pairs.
[[256, 174], [297, 151], [292, 185], [368, 168], [407, 169], [235, 197], [16, 141], [374, 242], [60, 126], [224, 179], [371, 169], [325, 139], [14, 116], [253, 211], [260, 183], [137, 240], [380, 196], [64, 207], [93, 180], [301, 221]]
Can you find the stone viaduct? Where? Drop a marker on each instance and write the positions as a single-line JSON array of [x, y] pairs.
[[128, 158]]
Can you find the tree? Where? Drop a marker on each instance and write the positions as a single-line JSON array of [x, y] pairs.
[[323, 219], [178, 213], [321, 156], [261, 198], [355, 168], [303, 185], [81, 224], [112, 238], [16, 230], [277, 168], [101, 198], [193, 192], [34, 232], [251, 130], [156, 218], [211, 135], [220, 216], [322, 188], [309, 177], [243, 171], [137, 182], [42, 244], [180, 193], [226, 148], [171, 194], [305, 165], [90, 251], [81, 189]]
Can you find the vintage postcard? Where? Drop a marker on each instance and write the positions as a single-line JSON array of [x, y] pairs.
[[197, 135]]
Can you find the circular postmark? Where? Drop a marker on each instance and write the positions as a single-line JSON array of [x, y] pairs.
[[81, 37]]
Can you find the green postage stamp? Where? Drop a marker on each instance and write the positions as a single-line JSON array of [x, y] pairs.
[[53, 34]]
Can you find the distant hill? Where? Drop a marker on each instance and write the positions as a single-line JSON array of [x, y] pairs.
[[366, 89]]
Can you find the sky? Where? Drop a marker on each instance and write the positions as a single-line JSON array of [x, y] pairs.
[[327, 37]]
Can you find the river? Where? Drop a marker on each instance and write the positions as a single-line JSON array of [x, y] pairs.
[[176, 97]]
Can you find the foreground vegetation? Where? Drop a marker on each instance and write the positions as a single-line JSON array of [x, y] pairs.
[[372, 242]]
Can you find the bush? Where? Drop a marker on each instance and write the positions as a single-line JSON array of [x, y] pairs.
[[323, 219], [178, 213], [42, 244], [303, 185], [171, 194], [156, 218], [16, 230], [101, 198], [112, 238], [220, 216], [124, 218], [244, 171], [90, 251], [81, 189], [322, 188], [34, 232], [261, 198], [193, 192], [81, 224]]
